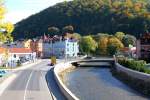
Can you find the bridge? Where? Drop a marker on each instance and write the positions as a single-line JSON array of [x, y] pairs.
[[96, 62]]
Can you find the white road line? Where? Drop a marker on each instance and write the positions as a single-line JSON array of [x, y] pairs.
[[25, 93]]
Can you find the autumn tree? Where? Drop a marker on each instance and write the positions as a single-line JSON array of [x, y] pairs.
[[6, 28], [76, 36], [114, 45], [120, 35], [102, 43], [116, 42]]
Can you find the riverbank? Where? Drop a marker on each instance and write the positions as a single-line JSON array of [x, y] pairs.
[[100, 80], [136, 80], [93, 83]]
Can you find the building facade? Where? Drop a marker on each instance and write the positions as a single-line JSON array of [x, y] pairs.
[[21, 55], [60, 48], [45, 47], [145, 46]]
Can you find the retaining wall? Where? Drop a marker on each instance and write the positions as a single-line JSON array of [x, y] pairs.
[[58, 68], [137, 80], [133, 73]]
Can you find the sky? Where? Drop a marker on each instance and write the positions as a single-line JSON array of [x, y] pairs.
[[21, 9]]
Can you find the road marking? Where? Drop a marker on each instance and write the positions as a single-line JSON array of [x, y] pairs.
[[25, 93]]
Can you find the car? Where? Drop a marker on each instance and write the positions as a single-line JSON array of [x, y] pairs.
[[2, 73]]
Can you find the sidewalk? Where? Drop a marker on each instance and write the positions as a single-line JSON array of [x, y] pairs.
[[6, 80]]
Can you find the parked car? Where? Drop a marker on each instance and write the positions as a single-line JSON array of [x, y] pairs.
[[2, 73]]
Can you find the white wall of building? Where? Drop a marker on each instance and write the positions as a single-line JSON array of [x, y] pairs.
[[60, 49]]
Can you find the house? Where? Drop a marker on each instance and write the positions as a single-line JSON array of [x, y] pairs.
[[20, 54], [128, 51], [19, 44], [143, 46], [58, 46], [47, 46]]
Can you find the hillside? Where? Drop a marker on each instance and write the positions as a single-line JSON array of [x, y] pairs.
[[89, 17]]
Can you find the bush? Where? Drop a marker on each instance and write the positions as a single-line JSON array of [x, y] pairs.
[[138, 65]]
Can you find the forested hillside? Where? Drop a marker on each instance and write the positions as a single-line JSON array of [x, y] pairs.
[[89, 17]]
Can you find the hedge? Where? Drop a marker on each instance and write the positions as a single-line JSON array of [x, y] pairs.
[[138, 65]]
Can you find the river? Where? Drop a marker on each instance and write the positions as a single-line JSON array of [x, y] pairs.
[[93, 83]]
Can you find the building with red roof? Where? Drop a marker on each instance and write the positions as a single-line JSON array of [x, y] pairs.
[[20, 50]]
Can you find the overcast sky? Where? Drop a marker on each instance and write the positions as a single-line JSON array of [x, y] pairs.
[[20, 9]]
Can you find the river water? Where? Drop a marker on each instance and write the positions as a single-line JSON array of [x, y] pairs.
[[93, 83]]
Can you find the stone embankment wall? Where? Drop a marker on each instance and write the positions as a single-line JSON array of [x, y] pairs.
[[137, 80], [59, 68]]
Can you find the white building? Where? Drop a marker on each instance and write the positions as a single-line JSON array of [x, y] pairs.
[[20, 54], [61, 48]]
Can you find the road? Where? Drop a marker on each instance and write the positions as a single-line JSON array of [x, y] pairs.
[[31, 84]]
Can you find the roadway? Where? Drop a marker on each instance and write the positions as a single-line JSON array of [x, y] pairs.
[[34, 83]]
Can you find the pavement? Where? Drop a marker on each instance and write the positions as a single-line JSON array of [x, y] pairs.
[[34, 83]]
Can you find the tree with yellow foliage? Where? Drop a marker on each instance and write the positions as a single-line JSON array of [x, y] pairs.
[[6, 28], [119, 35], [114, 45], [116, 42], [102, 44]]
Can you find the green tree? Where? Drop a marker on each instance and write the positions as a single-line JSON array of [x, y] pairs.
[[88, 44], [111, 49], [91, 16], [68, 29], [129, 40], [53, 30]]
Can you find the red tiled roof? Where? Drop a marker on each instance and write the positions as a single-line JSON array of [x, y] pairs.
[[125, 49], [20, 50]]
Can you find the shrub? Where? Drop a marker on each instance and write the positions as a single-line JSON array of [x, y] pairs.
[[138, 65]]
